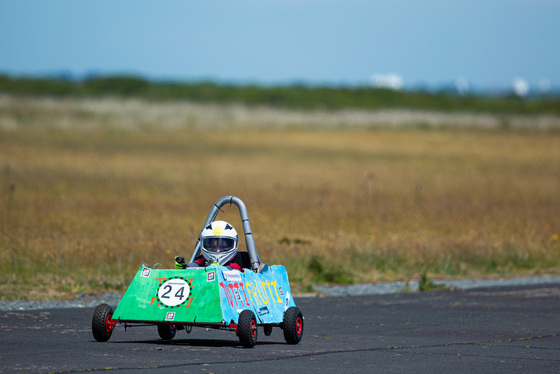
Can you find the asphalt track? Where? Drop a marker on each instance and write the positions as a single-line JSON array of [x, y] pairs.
[[488, 330]]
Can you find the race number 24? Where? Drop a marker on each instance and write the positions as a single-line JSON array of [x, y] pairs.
[[174, 292]]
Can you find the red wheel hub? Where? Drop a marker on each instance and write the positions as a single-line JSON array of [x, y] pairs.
[[253, 328], [299, 325], [109, 323]]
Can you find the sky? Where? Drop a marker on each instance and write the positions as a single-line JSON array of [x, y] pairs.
[[484, 44]]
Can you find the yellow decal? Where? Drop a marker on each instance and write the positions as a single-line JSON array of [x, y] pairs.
[[263, 283], [218, 230], [276, 289], [252, 293]]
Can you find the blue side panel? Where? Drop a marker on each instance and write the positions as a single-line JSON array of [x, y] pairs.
[[267, 293]]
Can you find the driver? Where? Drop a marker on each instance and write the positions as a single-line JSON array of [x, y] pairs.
[[219, 242]]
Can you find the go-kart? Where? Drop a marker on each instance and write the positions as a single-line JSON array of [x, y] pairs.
[[211, 297]]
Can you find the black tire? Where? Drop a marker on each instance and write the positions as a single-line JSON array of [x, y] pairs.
[[101, 323], [247, 329], [293, 325], [166, 332]]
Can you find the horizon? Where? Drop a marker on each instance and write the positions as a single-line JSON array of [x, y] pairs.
[[522, 90]]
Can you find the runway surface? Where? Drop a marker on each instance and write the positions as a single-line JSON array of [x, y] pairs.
[[486, 330]]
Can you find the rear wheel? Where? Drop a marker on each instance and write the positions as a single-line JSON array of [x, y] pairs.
[[293, 325], [166, 332], [101, 324], [247, 329]]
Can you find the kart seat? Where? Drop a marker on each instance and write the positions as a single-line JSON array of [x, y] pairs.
[[242, 259]]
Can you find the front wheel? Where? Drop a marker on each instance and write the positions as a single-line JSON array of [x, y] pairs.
[[101, 324], [247, 329], [293, 325], [166, 332]]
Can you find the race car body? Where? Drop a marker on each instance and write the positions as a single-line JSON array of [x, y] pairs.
[[213, 296]]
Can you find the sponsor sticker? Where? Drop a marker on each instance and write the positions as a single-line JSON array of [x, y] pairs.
[[146, 272], [263, 311], [281, 291], [287, 301], [232, 276], [237, 295], [211, 276], [170, 316]]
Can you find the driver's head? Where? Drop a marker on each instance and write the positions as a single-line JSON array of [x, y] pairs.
[[219, 242]]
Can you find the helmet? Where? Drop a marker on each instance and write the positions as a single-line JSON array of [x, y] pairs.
[[219, 242]]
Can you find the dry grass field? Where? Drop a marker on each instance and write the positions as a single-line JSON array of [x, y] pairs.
[[90, 190]]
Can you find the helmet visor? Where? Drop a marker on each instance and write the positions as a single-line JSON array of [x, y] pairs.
[[218, 245]]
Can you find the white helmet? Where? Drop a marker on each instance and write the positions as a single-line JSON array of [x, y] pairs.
[[219, 242]]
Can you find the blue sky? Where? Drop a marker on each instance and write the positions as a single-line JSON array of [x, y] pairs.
[[487, 43]]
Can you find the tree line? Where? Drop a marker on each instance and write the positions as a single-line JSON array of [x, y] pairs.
[[296, 96]]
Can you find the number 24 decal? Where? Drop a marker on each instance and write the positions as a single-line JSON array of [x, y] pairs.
[[174, 292], [179, 294]]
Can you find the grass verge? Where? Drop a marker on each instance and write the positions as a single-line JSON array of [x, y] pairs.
[[87, 197]]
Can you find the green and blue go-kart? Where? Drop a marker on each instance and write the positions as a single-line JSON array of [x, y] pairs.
[[210, 297]]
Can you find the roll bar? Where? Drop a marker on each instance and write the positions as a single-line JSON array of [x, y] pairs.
[[249, 241]]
